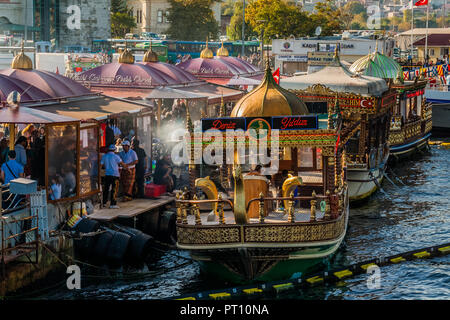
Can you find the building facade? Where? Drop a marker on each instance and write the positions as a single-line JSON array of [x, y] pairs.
[[291, 55], [151, 15]]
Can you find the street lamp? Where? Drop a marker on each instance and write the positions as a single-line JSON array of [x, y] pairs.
[[243, 27], [262, 41]]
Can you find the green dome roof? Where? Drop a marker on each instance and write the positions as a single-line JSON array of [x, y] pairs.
[[376, 65]]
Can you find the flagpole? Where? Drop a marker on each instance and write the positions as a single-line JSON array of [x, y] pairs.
[[426, 37], [412, 29]]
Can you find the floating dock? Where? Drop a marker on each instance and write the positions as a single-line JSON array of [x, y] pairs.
[[130, 209]]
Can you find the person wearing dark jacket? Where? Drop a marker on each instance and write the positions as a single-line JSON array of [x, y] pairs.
[[141, 167]]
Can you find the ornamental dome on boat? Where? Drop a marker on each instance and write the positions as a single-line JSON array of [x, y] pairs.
[[377, 65], [220, 66], [126, 73], [338, 78], [54, 85], [269, 99]]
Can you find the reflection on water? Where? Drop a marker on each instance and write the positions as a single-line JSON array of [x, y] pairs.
[[407, 217]]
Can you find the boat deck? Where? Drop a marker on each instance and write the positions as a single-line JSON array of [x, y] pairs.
[[301, 215], [130, 209]]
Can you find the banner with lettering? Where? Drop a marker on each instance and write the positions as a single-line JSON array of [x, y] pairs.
[[303, 122]]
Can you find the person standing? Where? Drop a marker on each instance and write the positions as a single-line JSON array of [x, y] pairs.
[[11, 169], [111, 162], [20, 148], [141, 167], [129, 157]]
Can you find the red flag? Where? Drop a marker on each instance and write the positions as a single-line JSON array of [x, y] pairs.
[[276, 76], [421, 3], [57, 70]]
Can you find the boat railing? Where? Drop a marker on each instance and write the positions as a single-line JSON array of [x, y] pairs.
[[330, 203], [437, 87]]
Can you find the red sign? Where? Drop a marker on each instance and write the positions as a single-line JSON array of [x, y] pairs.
[[421, 3], [416, 93]]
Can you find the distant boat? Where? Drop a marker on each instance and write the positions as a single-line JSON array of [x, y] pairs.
[[439, 96]]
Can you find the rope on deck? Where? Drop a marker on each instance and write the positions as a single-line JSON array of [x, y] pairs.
[[311, 280]]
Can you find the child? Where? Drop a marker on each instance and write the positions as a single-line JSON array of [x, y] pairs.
[[55, 189]]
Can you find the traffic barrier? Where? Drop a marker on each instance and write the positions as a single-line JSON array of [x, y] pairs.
[[334, 276]]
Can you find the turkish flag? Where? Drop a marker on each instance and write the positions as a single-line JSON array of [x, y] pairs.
[[421, 3], [276, 76]]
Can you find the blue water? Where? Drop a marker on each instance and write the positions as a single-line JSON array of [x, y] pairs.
[[405, 217]]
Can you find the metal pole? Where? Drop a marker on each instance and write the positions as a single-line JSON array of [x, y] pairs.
[[243, 27], [426, 37], [26, 22], [412, 29]]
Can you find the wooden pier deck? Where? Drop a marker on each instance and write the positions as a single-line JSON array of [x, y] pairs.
[[130, 209]]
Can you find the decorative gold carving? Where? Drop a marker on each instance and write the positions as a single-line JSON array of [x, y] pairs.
[[289, 184], [313, 207], [261, 208]]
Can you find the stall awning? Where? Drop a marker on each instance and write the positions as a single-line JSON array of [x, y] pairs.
[[171, 93], [98, 108], [26, 115], [214, 92]]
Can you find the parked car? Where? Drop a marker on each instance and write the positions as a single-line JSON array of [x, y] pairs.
[[150, 36]]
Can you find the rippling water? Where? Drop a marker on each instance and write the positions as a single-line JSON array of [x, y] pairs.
[[411, 215]]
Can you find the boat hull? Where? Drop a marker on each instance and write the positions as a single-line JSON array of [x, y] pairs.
[[407, 149], [300, 261], [263, 252], [441, 116], [361, 182]]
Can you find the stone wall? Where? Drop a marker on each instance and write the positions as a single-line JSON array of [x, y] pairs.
[[95, 22]]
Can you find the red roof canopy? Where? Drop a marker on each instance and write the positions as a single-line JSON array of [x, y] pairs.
[[440, 40], [54, 85]]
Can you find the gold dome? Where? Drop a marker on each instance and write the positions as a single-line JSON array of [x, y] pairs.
[[269, 99], [150, 55], [22, 61], [222, 51], [126, 57], [207, 52]]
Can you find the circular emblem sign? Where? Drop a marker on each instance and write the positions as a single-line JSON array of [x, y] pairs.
[[261, 128], [286, 45]]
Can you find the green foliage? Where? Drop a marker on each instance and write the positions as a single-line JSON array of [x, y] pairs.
[[121, 21], [282, 19], [192, 20], [119, 6], [234, 29], [328, 17], [227, 7], [354, 7]]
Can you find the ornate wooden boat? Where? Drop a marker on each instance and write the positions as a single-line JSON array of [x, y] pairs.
[[258, 231], [360, 99], [411, 123]]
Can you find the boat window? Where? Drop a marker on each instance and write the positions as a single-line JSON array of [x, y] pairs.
[[88, 160], [319, 158], [62, 161], [305, 158]]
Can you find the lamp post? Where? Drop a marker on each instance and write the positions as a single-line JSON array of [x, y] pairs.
[[243, 27], [262, 22]]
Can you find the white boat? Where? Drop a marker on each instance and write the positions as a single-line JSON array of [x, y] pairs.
[[439, 96]]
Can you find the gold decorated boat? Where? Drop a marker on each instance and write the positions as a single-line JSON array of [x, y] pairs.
[[281, 222]]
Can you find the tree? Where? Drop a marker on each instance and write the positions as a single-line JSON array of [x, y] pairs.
[[354, 7], [234, 29], [328, 17], [277, 18], [192, 20], [121, 20]]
